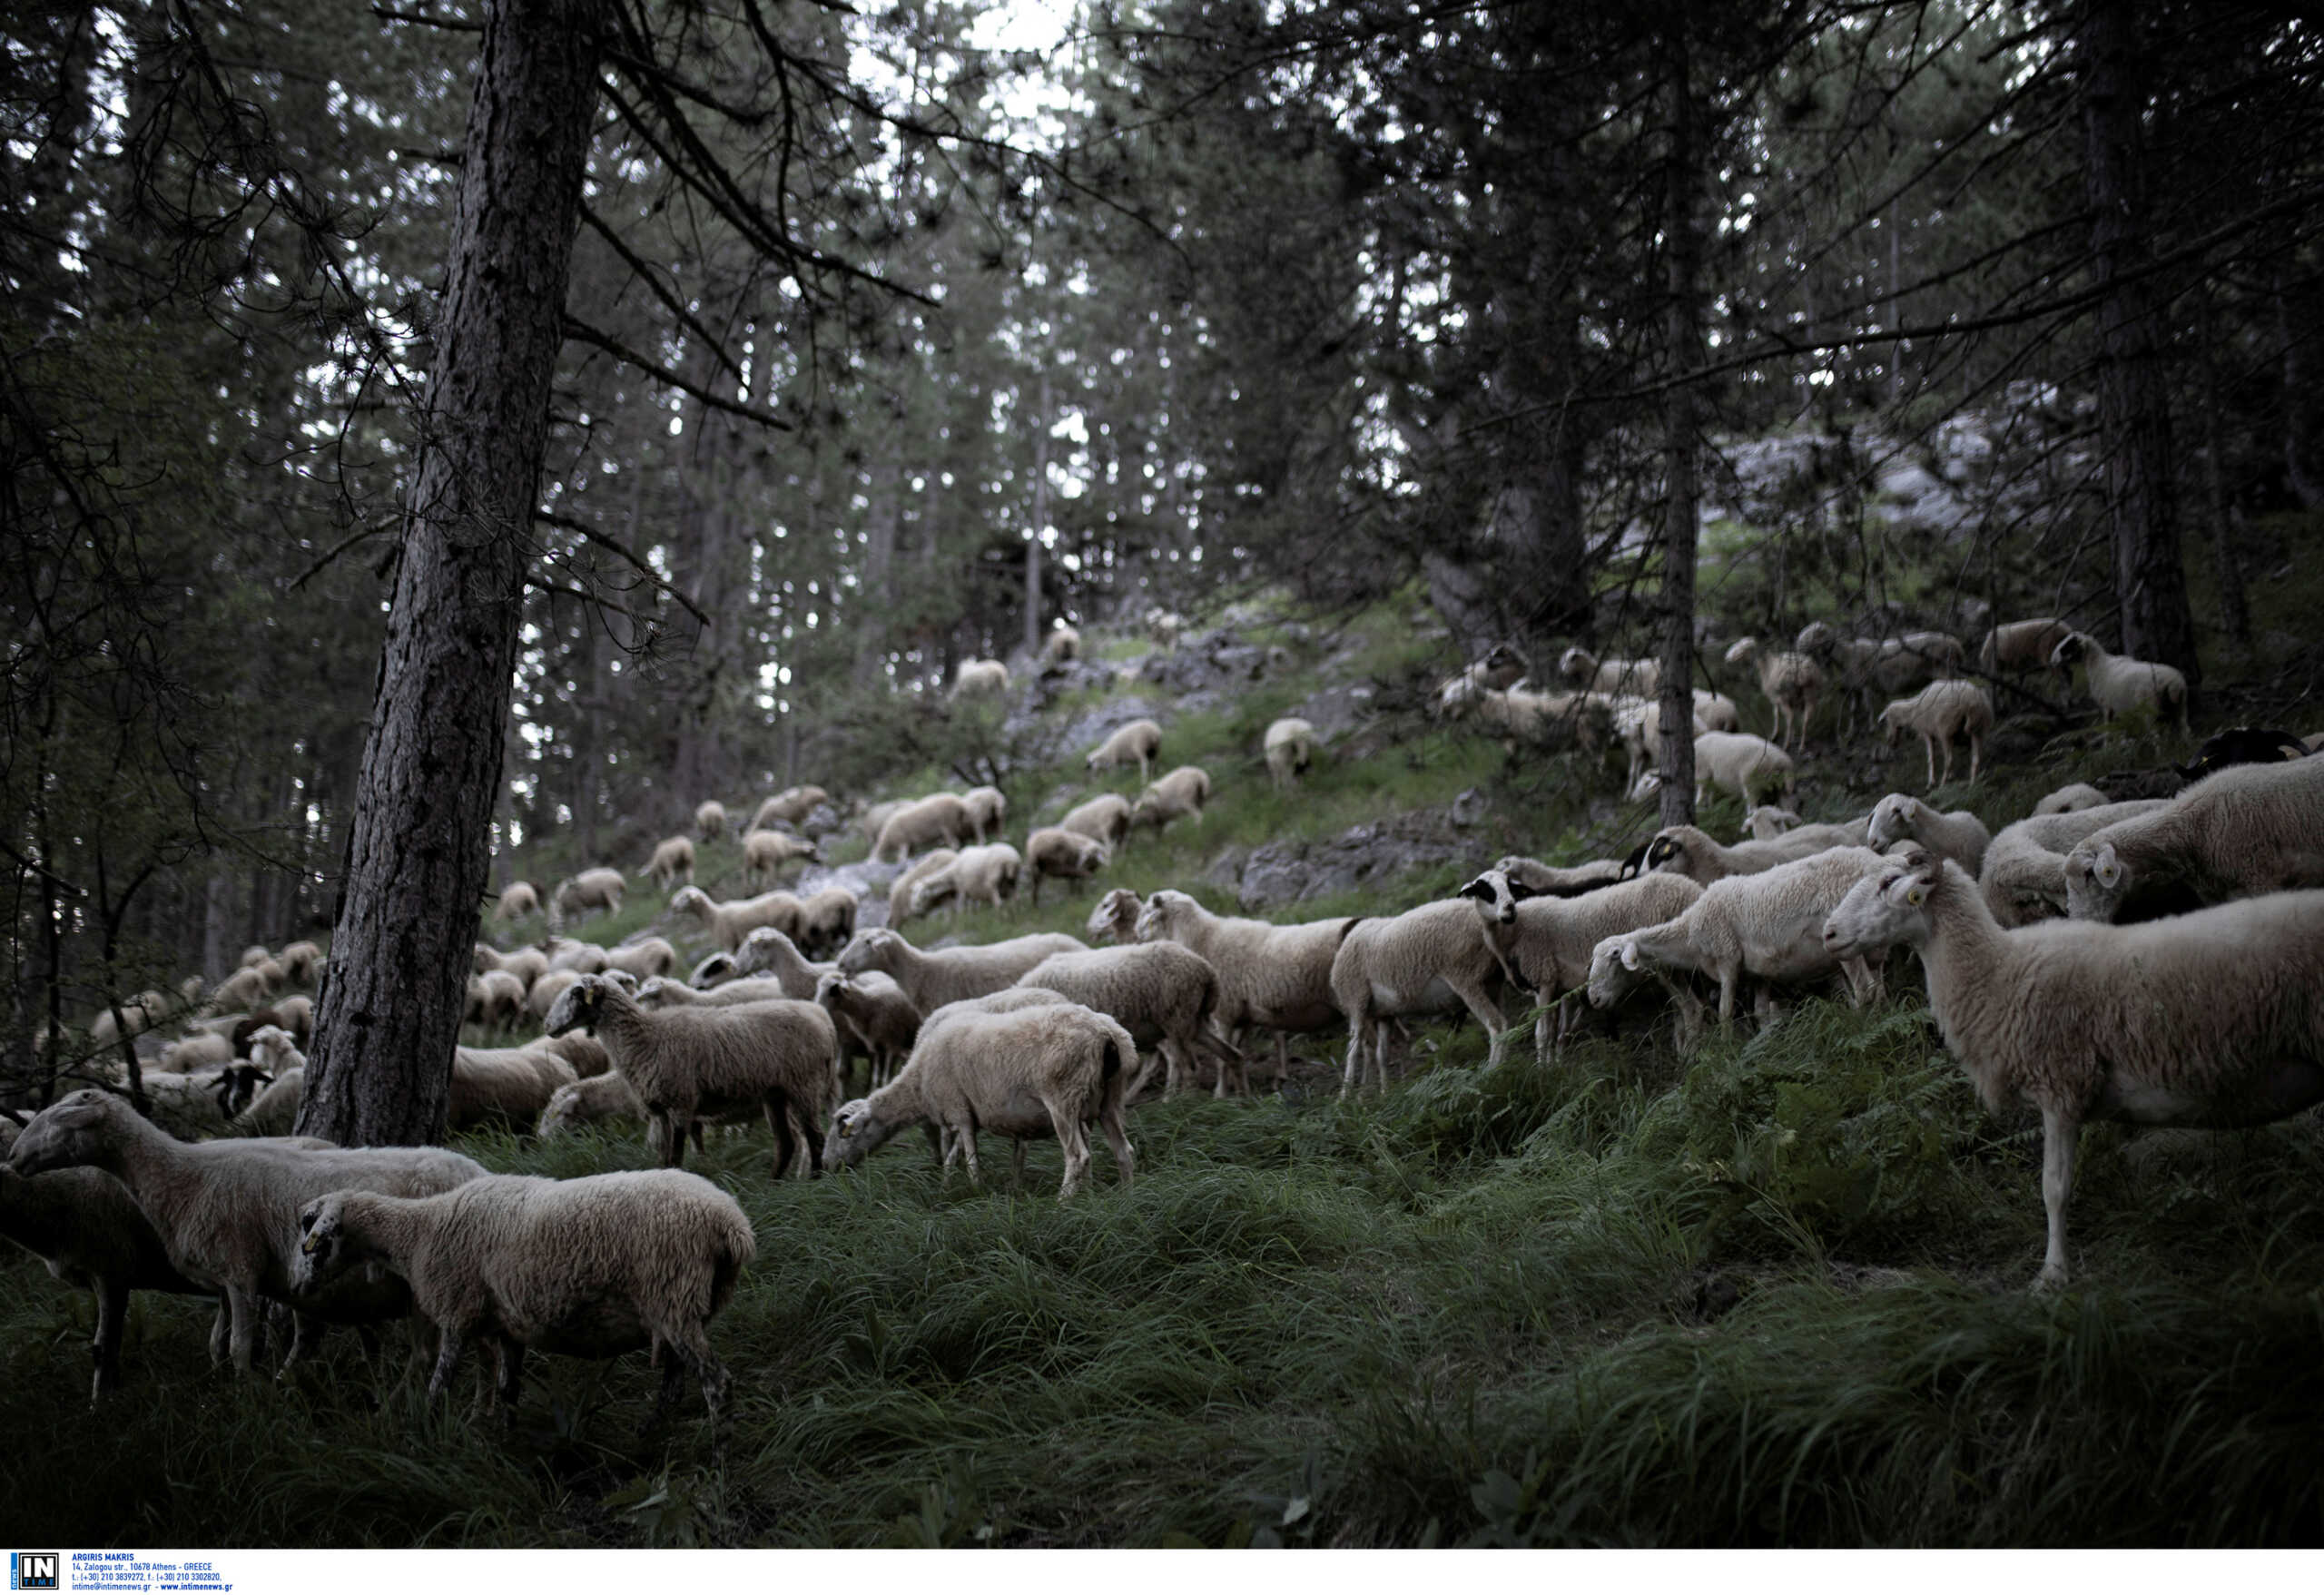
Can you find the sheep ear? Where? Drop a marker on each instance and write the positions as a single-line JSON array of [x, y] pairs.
[[1519, 892], [1481, 889], [1630, 955], [2107, 868]]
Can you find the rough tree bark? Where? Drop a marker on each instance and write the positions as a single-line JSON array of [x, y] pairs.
[[2133, 402], [1682, 332], [390, 1010]]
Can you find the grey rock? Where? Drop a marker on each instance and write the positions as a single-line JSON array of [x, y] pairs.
[[1295, 871], [1469, 807]]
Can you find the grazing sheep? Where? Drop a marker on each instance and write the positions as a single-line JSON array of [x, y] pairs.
[[788, 807], [1270, 977], [2214, 1019], [1138, 742], [273, 1113], [527, 963], [728, 922], [764, 852], [903, 893], [1181, 792], [1691, 851], [1737, 762], [827, 919], [1290, 748], [1717, 710], [987, 808], [1163, 626], [874, 1011], [1868, 669], [1430, 959], [503, 1086], [520, 900], [1766, 823], [932, 980], [583, 958], [495, 999], [1960, 835], [2023, 877], [1942, 713], [661, 993], [1543, 720], [588, 1267], [1543, 880], [1792, 682], [689, 1062], [977, 874], [874, 818], [1769, 925], [244, 989], [1062, 643], [1044, 1071], [1066, 855], [980, 678], [2241, 744], [547, 989], [196, 1107], [302, 961], [227, 1211], [591, 888], [88, 1229], [2250, 828], [254, 955], [2069, 800], [1105, 818], [1163, 994], [2119, 683], [714, 970], [1547, 941], [588, 1101], [710, 820], [2022, 646], [938, 817], [189, 1054], [672, 864], [1580, 668], [645, 957], [1115, 918], [1502, 667]]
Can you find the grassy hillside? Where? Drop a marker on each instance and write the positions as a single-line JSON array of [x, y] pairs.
[[1771, 1291]]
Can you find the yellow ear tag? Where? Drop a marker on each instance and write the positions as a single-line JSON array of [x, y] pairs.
[[307, 1246], [1916, 896]]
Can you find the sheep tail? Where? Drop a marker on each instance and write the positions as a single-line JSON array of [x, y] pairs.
[[1115, 1063]]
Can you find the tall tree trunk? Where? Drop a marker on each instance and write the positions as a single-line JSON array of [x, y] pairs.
[[2297, 407], [391, 1011], [2133, 404], [1682, 335], [1041, 521]]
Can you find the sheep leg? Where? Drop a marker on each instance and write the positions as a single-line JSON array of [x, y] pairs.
[[2060, 1131], [447, 1362], [1976, 754], [1109, 1123], [1487, 1015], [778, 1124], [1282, 1060], [512, 1378], [1065, 1120], [674, 1127], [244, 1338], [113, 1308], [964, 1137], [1356, 1040]]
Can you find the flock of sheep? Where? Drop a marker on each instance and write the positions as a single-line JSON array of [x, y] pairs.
[[2161, 962]]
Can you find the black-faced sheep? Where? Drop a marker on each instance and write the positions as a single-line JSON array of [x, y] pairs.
[[1547, 941]]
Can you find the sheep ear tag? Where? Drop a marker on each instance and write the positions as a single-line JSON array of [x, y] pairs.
[[1916, 896], [2108, 869], [308, 1245]]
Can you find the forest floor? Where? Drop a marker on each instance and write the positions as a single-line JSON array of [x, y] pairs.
[[1772, 1292]]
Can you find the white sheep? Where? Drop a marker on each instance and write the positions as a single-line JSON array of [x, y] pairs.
[[987, 810], [1115, 918], [903, 891], [938, 817], [503, 1086], [1737, 762], [1062, 643], [710, 820], [1792, 682], [672, 862], [1428, 961], [1138, 742], [302, 961], [1537, 719], [764, 853], [1637, 728], [546, 990], [1163, 994], [645, 957], [932, 980], [1163, 626], [2248, 830], [728, 922], [495, 999], [665, 993], [1547, 941], [1270, 977], [2018, 647], [527, 963], [227, 1211], [602, 1097], [1960, 835], [583, 958], [1553, 881], [600, 887], [1640, 677], [827, 919], [2023, 877], [1048, 1069], [1769, 925], [790, 806], [874, 818], [2215, 1019], [1181, 792], [987, 875], [1105, 818], [2119, 683], [980, 678], [1693, 853], [590, 1267], [1767, 822], [1500, 668], [1065, 856], [1290, 749], [1868, 669], [1942, 712], [781, 1056], [872, 1011], [519, 900], [2073, 799]]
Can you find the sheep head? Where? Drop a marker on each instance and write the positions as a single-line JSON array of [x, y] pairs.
[[2097, 880], [69, 1133], [1497, 897], [1614, 971], [328, 1248], [1669, 848], [578, 1005], [1118, 914], [2073, 645], [1744, 652], [1892, 818], [1881, 911], [870, 949], [855, 1134]]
